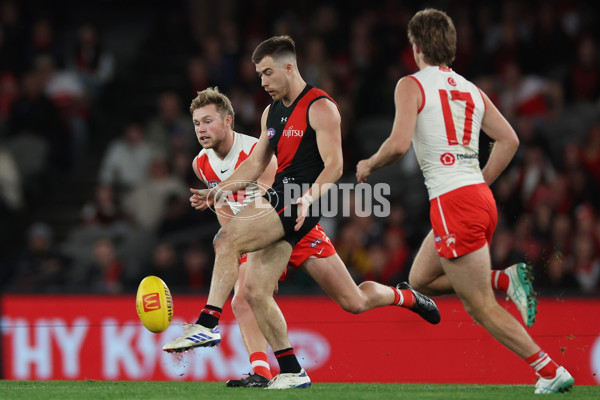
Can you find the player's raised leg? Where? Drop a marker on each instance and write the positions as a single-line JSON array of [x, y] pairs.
[[261, 281], [333, 277], [470, 276], [428, 277], [255, 227]]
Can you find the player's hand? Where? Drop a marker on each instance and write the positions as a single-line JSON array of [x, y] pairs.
[[302, 212], [363, 171], [200, 199]]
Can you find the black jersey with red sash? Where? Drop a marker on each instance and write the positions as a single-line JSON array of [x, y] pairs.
[[294, 141]]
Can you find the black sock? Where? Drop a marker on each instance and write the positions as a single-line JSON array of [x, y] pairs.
[[209, 316], [288, 363]]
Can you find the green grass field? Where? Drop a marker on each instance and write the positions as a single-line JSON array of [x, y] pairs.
[[96, 390]]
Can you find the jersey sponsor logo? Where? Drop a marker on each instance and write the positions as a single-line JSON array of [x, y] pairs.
[[451, 81], [448, 159], [291, 132], [224, 170], [212, 184], [284, 119], [315, 243], [474, 156], [270, 133]]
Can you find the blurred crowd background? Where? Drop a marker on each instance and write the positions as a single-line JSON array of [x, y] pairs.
[[96, 141]]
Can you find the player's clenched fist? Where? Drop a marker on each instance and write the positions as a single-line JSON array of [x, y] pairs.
[[199, 198]]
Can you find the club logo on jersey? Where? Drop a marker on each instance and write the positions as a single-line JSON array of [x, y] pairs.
[[291, 132], [448, 159], [270, 133], [315, 243], [450, 241], [451, 81], [212, 184]]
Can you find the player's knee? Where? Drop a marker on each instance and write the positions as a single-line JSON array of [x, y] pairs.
[[239, 305], [355, 304], [219, 239], [252, 295], [353, 307], [222, 241], [417, 284]]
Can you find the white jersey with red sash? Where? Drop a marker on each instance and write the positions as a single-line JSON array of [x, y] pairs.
[[446, 137], [213, 170]]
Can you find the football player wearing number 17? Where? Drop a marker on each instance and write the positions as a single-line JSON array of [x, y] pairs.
[[442, 114]]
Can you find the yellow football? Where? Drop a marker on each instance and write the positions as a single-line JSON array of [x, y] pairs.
[[154, 304]]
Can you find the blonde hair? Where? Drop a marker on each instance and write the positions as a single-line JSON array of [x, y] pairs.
[[434, 32], [212, 96]]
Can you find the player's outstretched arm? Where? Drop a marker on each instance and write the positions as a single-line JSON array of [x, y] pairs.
[[407, 98], [268, 176], [498, 129], [254, 166]]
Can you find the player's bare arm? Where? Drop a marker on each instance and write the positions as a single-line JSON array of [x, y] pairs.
[[506, 141], [407, 98], [324, 117], [195, 199], [268, 176], [256, 164]]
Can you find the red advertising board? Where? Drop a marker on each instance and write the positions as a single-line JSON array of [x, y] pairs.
[[96, 337]]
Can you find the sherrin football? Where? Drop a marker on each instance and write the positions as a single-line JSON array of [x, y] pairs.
[[154, 304]]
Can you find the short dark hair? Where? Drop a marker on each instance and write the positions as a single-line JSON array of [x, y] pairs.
[[275, 47], [434, 32]]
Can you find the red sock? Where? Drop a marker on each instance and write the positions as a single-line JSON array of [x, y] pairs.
[[500, 280], [404, 297], [543, 364], [260, 365]]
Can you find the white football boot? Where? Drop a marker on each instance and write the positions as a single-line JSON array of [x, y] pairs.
[[562, 382], [194, 336], [297, 380], [520, 291]]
